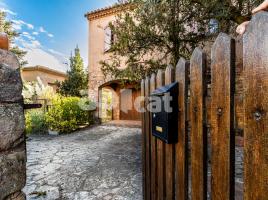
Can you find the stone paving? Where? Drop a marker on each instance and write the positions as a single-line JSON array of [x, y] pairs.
[[102, 162]]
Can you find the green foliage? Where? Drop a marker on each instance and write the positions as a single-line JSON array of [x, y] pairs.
[[152, 34], [37, 90], [227, 12], [77, 79], [35, 122], [6, 27], [66, 115]]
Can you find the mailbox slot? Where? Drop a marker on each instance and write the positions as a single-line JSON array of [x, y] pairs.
[[165, 121]]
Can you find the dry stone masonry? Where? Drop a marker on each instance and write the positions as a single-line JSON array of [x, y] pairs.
[[12, 139]]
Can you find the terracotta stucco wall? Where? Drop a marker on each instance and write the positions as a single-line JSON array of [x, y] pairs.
[[47, 78], [96, 43], [97, 54]]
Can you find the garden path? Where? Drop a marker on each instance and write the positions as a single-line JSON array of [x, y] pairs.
[[102, 162]]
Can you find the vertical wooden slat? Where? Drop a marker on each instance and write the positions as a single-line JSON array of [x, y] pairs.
[[153, 150], [255, 59], [239, 88], [239, 117], [143, 141], [181, 148], [198, 128], [160, 150], [222, 118], [170, 149], [147, 140]]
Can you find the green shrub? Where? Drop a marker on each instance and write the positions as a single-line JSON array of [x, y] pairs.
[[65, 115], [35, 122]]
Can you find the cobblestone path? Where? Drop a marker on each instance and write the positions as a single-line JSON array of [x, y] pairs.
[[102, 162]]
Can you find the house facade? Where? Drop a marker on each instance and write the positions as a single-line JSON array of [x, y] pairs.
[[100, 40], [48, 76]]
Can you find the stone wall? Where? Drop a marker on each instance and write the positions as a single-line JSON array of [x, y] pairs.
[[12, 138]]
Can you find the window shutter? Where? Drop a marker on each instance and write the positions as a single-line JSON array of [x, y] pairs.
[[107, 38]]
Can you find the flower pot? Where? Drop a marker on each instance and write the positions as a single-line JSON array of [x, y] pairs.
[[4, 42]]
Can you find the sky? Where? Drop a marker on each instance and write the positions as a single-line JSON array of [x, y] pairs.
[[51, 29]]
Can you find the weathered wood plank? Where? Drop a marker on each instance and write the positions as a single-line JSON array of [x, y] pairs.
[[160, 150], [255, 59], [153, 149], [239, 88], [143, 141], [222, 118], [147, 140], [170, 148], [198, 128], [181, 148]]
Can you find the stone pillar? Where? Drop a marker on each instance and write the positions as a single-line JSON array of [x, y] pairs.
[[12, 125]]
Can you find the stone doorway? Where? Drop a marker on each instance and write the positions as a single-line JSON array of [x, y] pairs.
[[123, 96]]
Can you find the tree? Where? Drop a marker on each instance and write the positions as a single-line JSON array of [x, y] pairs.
[[229, 13], [151, 34], [6, 27], [77, 78]]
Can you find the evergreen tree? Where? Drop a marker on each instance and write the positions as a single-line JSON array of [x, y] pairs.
[[6, 27], [77, 77], [153, 33]]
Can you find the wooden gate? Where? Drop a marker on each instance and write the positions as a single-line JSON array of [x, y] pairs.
[[211, 110]]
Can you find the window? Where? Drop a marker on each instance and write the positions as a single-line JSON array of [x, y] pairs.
[[108, 38]]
